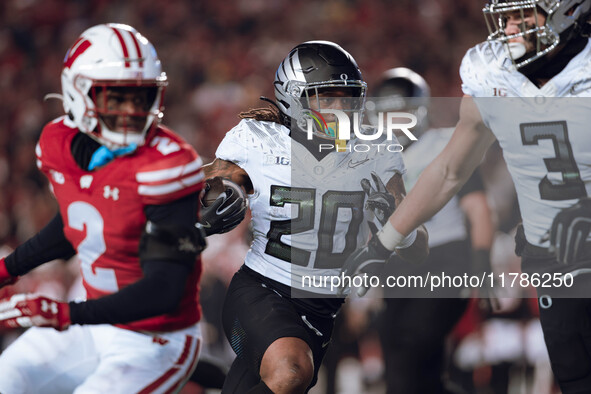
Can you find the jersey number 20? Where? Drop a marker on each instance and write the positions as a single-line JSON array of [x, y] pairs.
[[305, 199]]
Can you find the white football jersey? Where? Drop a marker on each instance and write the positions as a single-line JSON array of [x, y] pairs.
[[307, 215], [544, 132], [449, 224]]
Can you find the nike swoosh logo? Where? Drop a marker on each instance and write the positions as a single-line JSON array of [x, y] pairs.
[[353, 164], [206, 225]]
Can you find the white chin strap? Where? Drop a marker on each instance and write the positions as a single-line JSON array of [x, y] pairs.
[[516, 50]]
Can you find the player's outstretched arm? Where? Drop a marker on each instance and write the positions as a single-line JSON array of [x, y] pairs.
[[168, 248], [482, 230], [369, 259], [443, 178], [48, 244], [416, 251]]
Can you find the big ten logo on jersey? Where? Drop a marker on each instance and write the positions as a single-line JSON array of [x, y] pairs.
[[499, 92], [278, 160], [164, 145]]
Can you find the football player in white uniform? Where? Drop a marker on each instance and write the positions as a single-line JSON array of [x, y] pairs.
[[308, 214], [536, 60], [414, 324]]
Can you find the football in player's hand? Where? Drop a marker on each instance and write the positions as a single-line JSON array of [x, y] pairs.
[[223, 206], [213, 188]]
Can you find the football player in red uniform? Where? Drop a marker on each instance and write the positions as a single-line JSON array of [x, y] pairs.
[[127, 189]]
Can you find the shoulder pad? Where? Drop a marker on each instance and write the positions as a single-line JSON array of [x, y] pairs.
[[251, 136], [172, 170], [477, 65], [54, 143]]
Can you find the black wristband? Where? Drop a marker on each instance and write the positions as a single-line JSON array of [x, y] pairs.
[[481, 261]]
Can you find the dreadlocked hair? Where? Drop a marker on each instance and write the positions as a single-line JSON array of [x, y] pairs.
[[268, 114]]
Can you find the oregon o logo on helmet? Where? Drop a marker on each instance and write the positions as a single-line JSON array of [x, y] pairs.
[[395, 121]]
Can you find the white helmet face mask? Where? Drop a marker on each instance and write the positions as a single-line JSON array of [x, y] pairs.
[[108, 65], [551, 18]]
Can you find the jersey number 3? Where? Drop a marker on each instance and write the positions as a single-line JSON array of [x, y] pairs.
[[564, 162]]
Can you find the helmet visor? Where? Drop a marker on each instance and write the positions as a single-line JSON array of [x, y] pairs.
[[326, 106]]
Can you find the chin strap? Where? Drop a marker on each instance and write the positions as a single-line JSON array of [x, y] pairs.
[[104, 155], [285, 120]]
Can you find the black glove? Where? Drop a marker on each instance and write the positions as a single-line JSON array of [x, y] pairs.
[[369, 259], [226, 211], [520, 241], [379, 199], [569, 231]]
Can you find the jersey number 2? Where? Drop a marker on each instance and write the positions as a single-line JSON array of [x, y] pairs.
[[82, 215], [572, 186]]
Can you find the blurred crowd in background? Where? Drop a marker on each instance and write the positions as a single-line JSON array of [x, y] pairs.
[[220, 56]]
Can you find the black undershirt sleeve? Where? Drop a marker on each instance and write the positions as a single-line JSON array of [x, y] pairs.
[[158, 292], [48, 244]]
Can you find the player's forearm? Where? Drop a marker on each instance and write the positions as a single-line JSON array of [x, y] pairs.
[[158, 292], [48, 244], [435, 187], [444, 177], [479, 216]]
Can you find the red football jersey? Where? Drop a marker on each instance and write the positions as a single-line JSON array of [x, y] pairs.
[[103, 210]]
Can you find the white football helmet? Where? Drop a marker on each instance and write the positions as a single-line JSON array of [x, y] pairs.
[[564, 19], [112, 56]]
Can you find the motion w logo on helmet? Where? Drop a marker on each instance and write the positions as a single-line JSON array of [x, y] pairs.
[[79, 47]]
